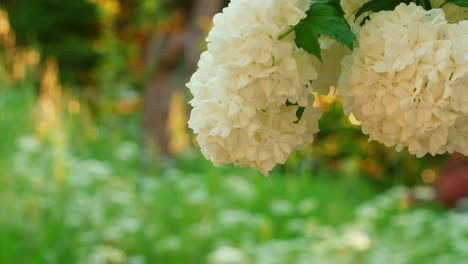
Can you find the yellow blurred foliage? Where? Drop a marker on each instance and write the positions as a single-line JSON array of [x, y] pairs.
[[24, 58], [15, 61], [175, 24], [177, 124], [74, 106], [7, 36], [49, 117], [125, 107], [110, 7]]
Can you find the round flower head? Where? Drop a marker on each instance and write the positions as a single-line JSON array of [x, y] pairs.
[[453, 12], [457, 134], [458, 140], [402, 80], [250, 85]]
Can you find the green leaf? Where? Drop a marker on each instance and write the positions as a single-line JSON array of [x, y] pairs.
[[325, 17], [462, 3], [299, 113], [379, 5], [427, 4]]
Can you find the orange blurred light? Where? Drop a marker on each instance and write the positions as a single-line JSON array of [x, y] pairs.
[[429, 176]]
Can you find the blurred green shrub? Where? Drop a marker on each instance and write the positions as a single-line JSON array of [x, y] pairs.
[[66, 30]]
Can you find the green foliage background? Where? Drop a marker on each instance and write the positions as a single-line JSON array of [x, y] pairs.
[[66, 30]]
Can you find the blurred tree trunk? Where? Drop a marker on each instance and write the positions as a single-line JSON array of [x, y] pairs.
[[178, 46], [452, 186]]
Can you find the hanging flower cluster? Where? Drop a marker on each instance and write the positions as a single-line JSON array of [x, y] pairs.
[[407, 80], [252, 86], [453, 12]]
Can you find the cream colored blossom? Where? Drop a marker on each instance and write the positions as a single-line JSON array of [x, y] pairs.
[[244, 81], [458, 136], [403, 79], [453, 13], [458, 33]]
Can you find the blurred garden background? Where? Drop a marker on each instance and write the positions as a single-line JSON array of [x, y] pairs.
[[97, 164]]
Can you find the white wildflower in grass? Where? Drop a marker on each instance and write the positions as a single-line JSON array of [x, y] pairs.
[[226, 255], [307, 206], [358, 240], [28, 144], [233, 218], [126, 151], [239, 188], [197, 197], [106, 254], [406, 80], [281, 207], [170, 244], [251, 84]]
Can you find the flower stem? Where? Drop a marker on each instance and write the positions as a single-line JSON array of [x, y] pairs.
[[427, 4], [285, 34]]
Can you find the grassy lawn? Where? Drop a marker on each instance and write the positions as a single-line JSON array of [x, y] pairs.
[[80, 193]]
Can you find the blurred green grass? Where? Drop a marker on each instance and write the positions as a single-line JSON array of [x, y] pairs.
[[108, 206], [111, 207]]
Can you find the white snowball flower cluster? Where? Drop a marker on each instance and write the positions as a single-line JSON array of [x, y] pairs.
[[407, 81], [453, 13], [250, 84], [457, 134]]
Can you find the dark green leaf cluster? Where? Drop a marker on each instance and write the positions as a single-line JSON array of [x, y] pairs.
[[325, 17], [462, 3]]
